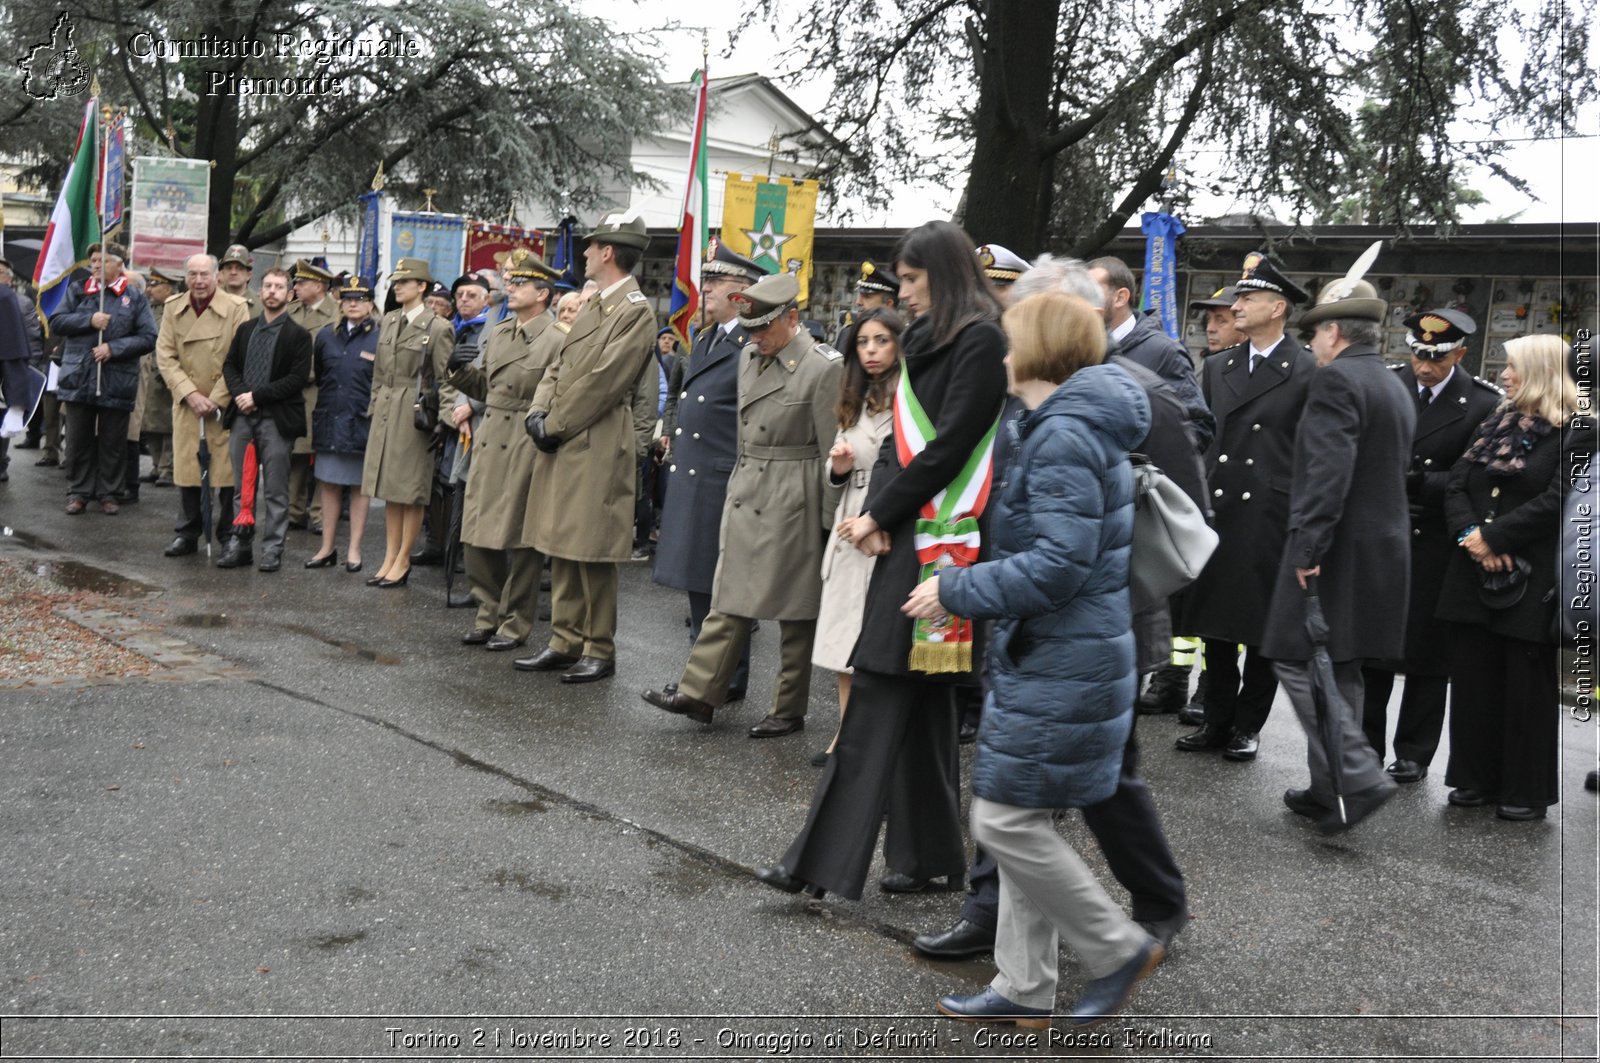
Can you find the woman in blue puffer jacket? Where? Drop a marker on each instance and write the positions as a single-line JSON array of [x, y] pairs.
[[1061, 663]]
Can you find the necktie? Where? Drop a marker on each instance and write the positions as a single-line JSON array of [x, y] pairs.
[[1424, 397], [1255, 360]]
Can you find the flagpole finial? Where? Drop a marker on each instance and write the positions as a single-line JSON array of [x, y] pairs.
[[94, 87], [428, 208], [377, 178]]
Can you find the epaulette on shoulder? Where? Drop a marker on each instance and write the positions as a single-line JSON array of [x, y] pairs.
[[637, 297], [830, 352], [1488, 385]]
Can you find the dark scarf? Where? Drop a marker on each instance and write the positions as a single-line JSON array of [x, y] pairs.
[[1504, 439]]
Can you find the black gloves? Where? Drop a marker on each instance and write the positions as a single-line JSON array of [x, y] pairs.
[[461, 357], [535, 426]]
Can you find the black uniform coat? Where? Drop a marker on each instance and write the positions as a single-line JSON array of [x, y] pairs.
[[1519, 514], [705, 438], [343, 363], [283, 397], [962, 387], [1248, 466], [1445, 427], [1348, 513]]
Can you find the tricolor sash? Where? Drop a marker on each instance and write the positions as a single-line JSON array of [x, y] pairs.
[[946, 530]]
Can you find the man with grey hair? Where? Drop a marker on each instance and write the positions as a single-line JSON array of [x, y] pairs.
[[1348, 515]]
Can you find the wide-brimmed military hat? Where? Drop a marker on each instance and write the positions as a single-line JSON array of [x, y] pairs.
[[1261, 274], [764, 301], [520, 264], [1350, 296], [874, 278], [305, 270], [1001, 265], [237, 254], [623, 227], [161, 276], [356, 288], [1435, 333], [725, 263], [1220, 299], [413, 269]]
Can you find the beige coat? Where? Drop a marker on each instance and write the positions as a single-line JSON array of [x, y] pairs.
[[501, 472], [189, 352], [846, 571], [313, 321], [779, 499], [399, 465], [582, 508]]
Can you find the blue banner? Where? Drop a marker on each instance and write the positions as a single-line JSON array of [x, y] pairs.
[[1161, 232], [367, 265], [441, 239], [559, 253], [111, 188]]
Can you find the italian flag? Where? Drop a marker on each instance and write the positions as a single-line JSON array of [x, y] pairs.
[[75, 221], [692, 230]]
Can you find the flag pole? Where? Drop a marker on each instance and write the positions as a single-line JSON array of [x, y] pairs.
[[102, 121]]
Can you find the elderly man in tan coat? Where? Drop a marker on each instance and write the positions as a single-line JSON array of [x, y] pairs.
[[194, 339], [779, 504], [580, 513]]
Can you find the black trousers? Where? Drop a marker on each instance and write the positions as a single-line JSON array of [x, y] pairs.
[[1505, 718], [699, 609], [97, 450], [897, 754], [1128, 830], [1242, 704], [1421, 721], [189, 525]]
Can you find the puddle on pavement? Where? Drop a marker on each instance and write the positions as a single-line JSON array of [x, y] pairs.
[[514, 808], [31, 541], [202, 620], [524, 883], [687, 878], [337, 941], [348, 647], [77, 576]]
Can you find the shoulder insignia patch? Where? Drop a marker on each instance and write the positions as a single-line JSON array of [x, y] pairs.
[[637, 297], [831, 353]]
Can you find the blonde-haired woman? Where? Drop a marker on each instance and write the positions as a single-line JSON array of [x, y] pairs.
[[1504, 506]]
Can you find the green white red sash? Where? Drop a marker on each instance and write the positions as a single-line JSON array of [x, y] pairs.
[[946, 532]]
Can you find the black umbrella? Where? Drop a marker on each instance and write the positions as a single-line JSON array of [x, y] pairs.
[[1325, 697], [205, 485], [452, 535]]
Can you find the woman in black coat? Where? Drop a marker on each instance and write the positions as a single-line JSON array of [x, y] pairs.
[[896, 749], [345, 353], [1503, 505]]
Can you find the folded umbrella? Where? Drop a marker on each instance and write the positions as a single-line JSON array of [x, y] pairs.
[[1325, 697], [246, 517]]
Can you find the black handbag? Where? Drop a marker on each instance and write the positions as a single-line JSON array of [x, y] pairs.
[[1502, 590], [425, 410]]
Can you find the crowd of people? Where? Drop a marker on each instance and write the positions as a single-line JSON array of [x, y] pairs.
[[939, 509]]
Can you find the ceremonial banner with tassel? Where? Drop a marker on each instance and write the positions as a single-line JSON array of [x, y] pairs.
[[1161, 232]]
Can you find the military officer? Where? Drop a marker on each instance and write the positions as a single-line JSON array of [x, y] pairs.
[[703, 441], [156, 427], [1451, 403], [234, 276], [581, 515], [313, 310], [877, 289], [1256, 391], [1002, 267], [778, 509], [502, 571], [193, 341]]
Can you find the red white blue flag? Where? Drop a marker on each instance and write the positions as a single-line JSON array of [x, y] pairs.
[[692, 230]]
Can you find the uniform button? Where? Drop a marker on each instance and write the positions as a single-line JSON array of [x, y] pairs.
[[1427, 461], [678, 432], [1416, 531], [1245, 497], [1255, 428], [696, 436], [736, 505], [683, 395], [1217, 493], [691, 472], [1222, 458], [700, 398], [672, 468], [1249, 461]]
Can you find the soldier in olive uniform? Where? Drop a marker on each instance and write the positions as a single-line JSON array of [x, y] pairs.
[[233, 274], [779, 505], [581, 513], [313, 310], [1451, 404], [502, 571], [156, 427]]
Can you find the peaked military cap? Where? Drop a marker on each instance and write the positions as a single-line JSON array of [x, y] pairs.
[[310, 271], [626, 228], [1261, 274], [416, 269], [356, 288], [520, 264], [762, 303], [160, 276], [724, 263], [1435, 333], [238, 254], [1219, 299], [874, 278], [1000, 264]]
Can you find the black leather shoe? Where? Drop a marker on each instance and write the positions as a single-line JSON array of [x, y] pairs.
[[1207, 738], [680, 703], [993, 1009], [1168, 691], [181, 547], [546, 660], [374, 581], [270, 564], [235, 556], [959, 940], [1403, 770], [322, 562], [1357, 807], [588, 670], [501, 642], [780, 879], [777, 727], [1465, 798], [391, 584], [1301, 803], [48, 462], [352, 566], [895, 882], [460, 600], [1518, 813], [1166, 930], [1242, 747], [477, 636], [428, 555]]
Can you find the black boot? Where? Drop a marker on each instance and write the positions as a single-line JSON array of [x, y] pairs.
[[237, 553], [1194, 713], [1167, 692], [130, 477]]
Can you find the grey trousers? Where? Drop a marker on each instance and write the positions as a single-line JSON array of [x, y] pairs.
[[724, 643], [506, 586], [1362, 768], [1047, 894], [272, 456]]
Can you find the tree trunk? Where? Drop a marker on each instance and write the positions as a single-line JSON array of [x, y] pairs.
[[1008, 190]]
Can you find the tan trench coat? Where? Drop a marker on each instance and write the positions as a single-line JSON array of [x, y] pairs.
[[582, 508], [399, 466], [846, 571], [779, 500], [501, 473], [313, 321], [189, 352]]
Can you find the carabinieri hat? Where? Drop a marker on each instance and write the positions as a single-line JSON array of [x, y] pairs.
[[355, 288], [414, 269], [520, 264], [725, 263], [626, 228], [1435, 333], [1261, 274], [310, 271], [1001, 265], [1350, 296], [1219, 300], [764, 301], [875, 278]]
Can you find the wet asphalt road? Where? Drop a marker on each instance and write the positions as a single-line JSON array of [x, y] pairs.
[[334, 832]]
